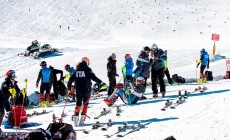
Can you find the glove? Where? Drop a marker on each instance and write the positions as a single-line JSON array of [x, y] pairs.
[[207, 67], [36, 85], [102, 84], [197, 66], [68, 91]]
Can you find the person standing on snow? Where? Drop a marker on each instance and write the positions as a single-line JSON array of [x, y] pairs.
[[69, 73], [112, 73], [82, 77], [204, 61], [127, 69], [45, 75], [157, 70], [143, 65], [54, 81], [9, 88]]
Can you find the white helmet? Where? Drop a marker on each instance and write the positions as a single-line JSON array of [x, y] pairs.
[[154, 47], [140, 80]]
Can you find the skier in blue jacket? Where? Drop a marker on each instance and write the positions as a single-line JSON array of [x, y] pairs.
[[204, 61], [45, 75], [127, 69]]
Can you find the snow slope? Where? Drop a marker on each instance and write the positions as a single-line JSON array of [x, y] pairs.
[[97, 29]]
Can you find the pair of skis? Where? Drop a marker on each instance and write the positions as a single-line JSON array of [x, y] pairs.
[[122, 128], [181, 99], [106, 111], [105, 126], [135, 128], [199, 89], [103, 113], [36, 113]]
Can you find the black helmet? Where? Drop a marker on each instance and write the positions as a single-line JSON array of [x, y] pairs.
[[146, 49], [43, 64], [67, 66]]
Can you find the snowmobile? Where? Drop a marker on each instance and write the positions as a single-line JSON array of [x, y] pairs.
[[44, 50], [34, 47]]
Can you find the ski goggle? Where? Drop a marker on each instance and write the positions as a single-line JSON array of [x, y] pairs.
[[13, 74]]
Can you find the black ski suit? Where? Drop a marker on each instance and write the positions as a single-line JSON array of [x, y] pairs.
[[5, 94], [111, 73], [54, 81], [82, 77]]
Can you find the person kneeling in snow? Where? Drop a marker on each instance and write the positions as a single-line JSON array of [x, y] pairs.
[[128, 98]]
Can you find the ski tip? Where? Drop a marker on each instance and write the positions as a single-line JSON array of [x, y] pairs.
[[120, 136], [86, 132], [103, 129], [107, 136]]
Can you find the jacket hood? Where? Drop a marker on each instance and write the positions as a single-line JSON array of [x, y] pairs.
[[110, 59]]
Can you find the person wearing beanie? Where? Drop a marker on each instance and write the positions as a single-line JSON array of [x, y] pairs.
[[111, 73], [157, 71]]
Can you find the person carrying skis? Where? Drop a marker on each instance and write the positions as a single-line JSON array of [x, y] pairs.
[[69, 73], [157, 70], [143, 64], [9, 88], [111, 73], [54, 81], [136, 94], [127, 69], [82, 77], [45, 75]]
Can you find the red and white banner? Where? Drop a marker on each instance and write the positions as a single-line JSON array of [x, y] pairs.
[[215, 37]]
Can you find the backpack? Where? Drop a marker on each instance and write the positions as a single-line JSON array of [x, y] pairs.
[[61, 131], [38, 134], [208, 75], [174, 77], [19, 115]]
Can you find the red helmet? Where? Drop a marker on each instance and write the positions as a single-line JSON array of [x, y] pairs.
[[10, 73], [127, 55], [86, 59]]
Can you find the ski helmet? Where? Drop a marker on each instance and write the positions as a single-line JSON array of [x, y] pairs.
[[10, 73], [146, 49], [140, 80], [43, 64], [202, 50], [85, 59], [154, 47], [127, 56], [67, 66]]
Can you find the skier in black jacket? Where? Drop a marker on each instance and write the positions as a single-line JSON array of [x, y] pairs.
[[54, 81], [82, 77], [9, 89], [112, 73]]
